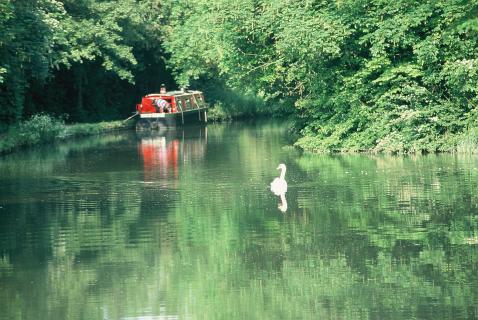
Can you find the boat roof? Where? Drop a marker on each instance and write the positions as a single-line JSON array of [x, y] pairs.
[[177, 93]]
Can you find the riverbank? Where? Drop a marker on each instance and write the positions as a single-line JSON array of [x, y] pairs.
[[42, 128], [222, 112], [465, 142]]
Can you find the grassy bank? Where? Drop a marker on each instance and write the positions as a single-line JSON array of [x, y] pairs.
[[248, 107], [468, 142], [221, 112], [45, 129], [465, 142], [228, 104]]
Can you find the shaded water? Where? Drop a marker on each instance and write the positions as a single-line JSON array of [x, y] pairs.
[[184, 226]]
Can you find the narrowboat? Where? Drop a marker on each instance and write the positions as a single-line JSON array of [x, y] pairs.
[[168, 109]]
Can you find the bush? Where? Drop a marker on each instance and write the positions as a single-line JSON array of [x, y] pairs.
[[42, 128], [468, 143], [219, 113]]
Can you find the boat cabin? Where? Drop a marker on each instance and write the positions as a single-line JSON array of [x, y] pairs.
[[177, 101], [167, 109]]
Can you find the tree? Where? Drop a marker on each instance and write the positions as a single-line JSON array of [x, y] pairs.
[[363, 75]]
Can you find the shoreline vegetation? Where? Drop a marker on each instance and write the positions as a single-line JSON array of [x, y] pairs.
[[43, 129], [459, 143]]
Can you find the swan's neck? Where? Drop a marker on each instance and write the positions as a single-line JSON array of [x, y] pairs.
[[282, 173]]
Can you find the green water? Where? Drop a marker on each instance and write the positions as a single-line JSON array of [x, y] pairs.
[[184, 226]]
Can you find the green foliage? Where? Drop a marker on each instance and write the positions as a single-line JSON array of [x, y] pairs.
[[79, 58], [42, 128], [228, 104], [218, 112], [393, 76], [468, 142], [378, 76]]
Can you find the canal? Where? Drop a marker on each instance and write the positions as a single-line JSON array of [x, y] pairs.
[[183, 225]]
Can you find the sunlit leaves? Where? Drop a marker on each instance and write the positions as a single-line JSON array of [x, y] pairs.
[[101, 35], [462, 75]]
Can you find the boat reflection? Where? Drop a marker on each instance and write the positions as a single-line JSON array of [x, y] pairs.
[[163, 152]]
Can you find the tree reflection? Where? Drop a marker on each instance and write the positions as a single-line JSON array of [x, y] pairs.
[[367, 237]]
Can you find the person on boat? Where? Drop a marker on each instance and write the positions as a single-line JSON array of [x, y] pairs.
[[161, 105], [162, 89]]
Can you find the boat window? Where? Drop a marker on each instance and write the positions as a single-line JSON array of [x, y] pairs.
[[198, 99], [193, 102]]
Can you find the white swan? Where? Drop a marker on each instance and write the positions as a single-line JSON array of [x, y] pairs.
[[279, 185]]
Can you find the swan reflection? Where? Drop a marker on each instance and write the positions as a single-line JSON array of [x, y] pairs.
[[283, 204], [279, 187]]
